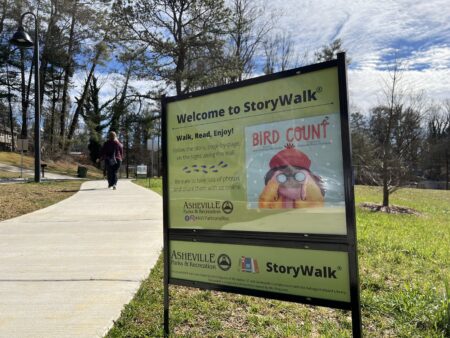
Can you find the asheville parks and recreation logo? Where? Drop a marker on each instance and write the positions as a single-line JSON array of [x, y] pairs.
[[227, 207], [207, 207], [249, 264], [201, 260], [224, 262]]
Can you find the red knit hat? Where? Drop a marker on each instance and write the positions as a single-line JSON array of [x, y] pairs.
[[290, 157]]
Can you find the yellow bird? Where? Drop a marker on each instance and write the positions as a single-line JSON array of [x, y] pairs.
[[289, 182]]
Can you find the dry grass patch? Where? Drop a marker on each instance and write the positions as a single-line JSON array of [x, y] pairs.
[[18, 199], [9, 174], [64, 166], [391, 209], [15, 159]]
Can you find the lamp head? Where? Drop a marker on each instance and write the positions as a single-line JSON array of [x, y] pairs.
[[21, 39]]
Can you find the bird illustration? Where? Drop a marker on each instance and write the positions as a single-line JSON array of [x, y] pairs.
[[290, 184]]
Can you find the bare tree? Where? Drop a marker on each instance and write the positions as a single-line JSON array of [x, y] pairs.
[[248, 28], [279, 54], [395, 134]]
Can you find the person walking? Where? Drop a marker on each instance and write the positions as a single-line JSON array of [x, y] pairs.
[[112, 154]]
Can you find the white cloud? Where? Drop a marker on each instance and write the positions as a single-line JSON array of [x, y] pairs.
[[366, 86], [373, 31], [436, 57]]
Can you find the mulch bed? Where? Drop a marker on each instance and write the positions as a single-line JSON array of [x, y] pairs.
[[392, 209]]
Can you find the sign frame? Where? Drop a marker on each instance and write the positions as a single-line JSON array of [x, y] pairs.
[[346, 243]]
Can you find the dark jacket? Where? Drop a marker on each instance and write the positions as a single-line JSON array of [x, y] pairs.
[[111, 148]]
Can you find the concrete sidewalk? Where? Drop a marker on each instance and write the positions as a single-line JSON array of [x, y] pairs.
[[68, 270]]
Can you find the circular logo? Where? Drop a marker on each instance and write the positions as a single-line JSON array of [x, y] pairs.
[[227, 207], [224, 262]]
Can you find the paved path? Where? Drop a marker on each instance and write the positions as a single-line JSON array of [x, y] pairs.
[[47, 175], [67, 270]]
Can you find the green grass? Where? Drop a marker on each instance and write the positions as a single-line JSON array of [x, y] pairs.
[[404, 274], [404, 263], [154, 184]]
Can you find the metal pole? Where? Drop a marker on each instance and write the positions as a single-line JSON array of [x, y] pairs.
[[165, 223], [349, 199], [37, 100], [37, 107], [22, 40], [152, 173], [21, 159]]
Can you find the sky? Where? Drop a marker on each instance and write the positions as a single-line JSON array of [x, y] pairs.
[[374, 34]]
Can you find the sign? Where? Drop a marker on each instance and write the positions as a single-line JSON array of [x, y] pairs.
[[22, 144], [237, 145], [258, 195], [310, 273], [153, 144], [141, 170]]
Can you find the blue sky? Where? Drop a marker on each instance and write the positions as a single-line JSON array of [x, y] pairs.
[[374, 33]]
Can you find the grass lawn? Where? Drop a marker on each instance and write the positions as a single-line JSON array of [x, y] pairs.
[[154, 184], [58, 167], [10, 174], [404, 274], [21, 198]]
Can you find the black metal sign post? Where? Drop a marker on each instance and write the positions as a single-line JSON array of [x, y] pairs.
[[235, 248], [349, 196], [165, 216]]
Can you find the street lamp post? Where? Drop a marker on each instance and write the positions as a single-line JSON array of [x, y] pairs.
[[22, 39]]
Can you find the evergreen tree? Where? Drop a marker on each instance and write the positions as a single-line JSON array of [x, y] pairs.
[[169, 34]]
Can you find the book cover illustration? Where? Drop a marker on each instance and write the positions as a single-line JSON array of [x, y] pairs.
[[295, 164]]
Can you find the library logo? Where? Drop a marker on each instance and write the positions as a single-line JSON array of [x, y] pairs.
[[249, 264]]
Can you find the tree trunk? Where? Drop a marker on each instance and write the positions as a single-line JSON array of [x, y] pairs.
[[385, 182], [119, 108], [181, 59], [82, 99], [2, 18], [47, 49], [67, 72], [385, 195], [179, 74], [55, 98], [127, 145], [80, 104], [446, 176]]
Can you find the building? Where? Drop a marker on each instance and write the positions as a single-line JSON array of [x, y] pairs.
[[6, 139]]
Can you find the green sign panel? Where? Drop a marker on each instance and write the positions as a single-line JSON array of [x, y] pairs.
[[265, 157], [309, 273], [258, 195]]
